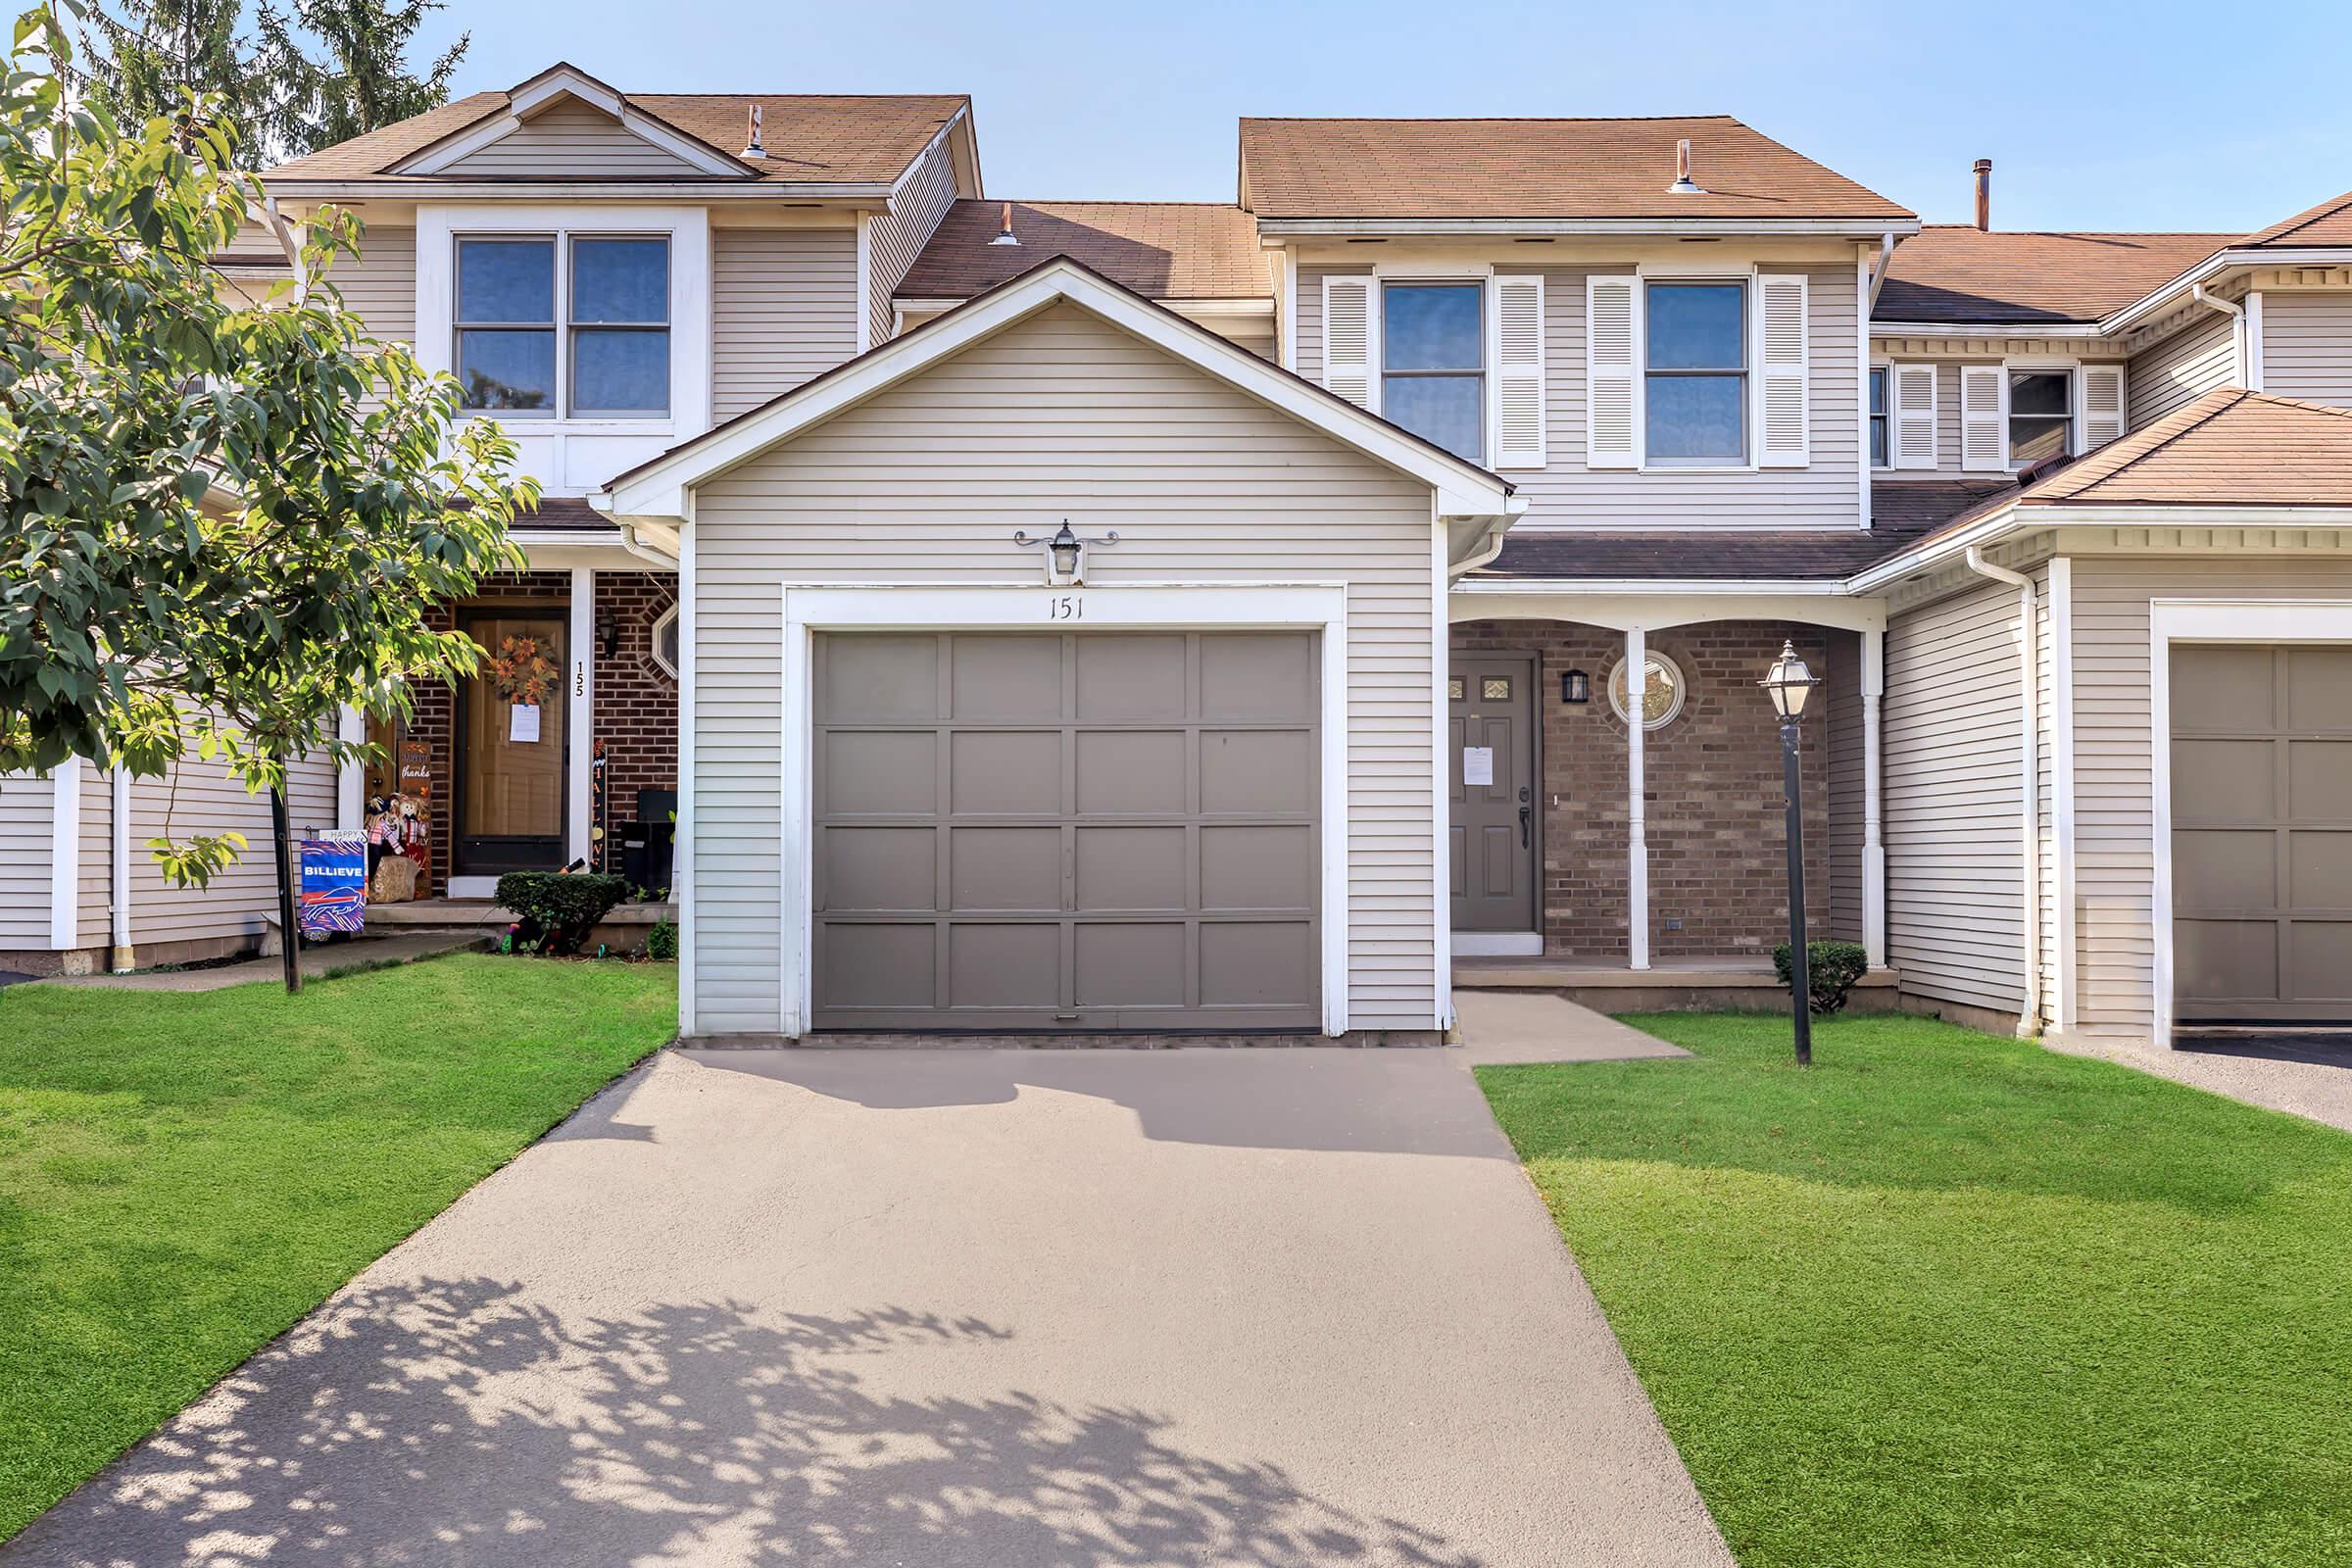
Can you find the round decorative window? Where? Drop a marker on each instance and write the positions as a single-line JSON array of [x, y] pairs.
[[665, 642], [1661, 693]]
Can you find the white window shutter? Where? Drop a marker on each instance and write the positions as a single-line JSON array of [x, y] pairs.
[[1518, 373], [1348, 338], [1781, 441], [2102, 394], [1914, 416], [1984, 436], [1612, 371]]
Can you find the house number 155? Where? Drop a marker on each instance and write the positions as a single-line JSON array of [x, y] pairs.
[[1065, 607]]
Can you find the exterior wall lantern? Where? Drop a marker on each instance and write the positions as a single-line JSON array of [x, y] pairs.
[[1789, 682], [1065, 553], [1575, 686]]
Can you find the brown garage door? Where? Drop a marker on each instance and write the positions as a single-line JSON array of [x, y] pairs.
[[2262, 833], [1080, 831]]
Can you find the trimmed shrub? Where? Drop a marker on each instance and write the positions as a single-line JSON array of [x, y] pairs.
[[554, 912], [1833, 967], [662, 942]]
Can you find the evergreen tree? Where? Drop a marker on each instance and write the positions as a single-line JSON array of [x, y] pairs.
[[362, 80], [145, 57]]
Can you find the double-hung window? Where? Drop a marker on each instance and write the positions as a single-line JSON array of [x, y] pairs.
[[2041, 416], [1880, 416], [1695, 374], [570, 324], [1434, 363]]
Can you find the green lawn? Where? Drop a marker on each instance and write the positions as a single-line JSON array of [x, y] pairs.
[[181, 1177], [1953, 1299]]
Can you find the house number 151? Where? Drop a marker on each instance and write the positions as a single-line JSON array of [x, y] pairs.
[[1065, 607]]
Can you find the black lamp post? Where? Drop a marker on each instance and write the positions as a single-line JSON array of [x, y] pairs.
[[1789, 683]]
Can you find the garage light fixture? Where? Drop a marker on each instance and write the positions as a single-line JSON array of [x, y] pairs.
[[1065, 553]]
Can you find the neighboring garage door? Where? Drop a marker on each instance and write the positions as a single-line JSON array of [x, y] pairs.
[[1098, 830], [2262, 833]]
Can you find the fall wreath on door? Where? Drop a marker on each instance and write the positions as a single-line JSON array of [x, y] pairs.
[[522, 672]]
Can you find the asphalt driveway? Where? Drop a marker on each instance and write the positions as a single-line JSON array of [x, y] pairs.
[[951, 1307]]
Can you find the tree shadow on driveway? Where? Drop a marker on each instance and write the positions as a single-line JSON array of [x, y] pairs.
[[453, 1422]]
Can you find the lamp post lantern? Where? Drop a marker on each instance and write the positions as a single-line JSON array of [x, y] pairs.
[[1789, 682]]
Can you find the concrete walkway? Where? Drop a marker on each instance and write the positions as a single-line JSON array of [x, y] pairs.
[[2303, 1075], [318, 963], [958, 1309]]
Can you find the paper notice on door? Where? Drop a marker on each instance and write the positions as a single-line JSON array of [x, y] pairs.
[[522, 722], [1478, 765]]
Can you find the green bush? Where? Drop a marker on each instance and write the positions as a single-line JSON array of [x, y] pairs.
[[662, 942], [555, 911], [1833, 967]]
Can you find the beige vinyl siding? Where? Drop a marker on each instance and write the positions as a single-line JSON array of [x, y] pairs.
[[926, 483], [784, 307], [196, 797], [894, 239], [574, 138], [2182, 368], [27, 818], [1823, 492], [380, 284], [1955, 924], [93, 914], [2307, 344], [1841, 734], [2114, 779]]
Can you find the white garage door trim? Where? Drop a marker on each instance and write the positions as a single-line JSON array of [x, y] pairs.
[[809, 609], [2206, 620]]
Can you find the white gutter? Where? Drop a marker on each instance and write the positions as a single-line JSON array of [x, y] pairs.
[[1859, 228], [2028, 1020], [633, 540]]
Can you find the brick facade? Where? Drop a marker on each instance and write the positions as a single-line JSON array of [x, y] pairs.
[[635, 705], [1718, 857]]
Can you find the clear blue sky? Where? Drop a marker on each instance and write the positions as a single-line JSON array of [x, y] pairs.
[[2159, 116]]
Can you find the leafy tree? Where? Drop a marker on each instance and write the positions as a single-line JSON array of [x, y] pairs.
[[363, 82], [222, 520], [147, 56]]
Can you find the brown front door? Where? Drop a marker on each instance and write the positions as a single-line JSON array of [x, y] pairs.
[[2262, 834], [509, 764], [1068, 831], [1491, 715]]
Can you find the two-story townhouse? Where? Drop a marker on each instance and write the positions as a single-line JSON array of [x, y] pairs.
[[607, 273]]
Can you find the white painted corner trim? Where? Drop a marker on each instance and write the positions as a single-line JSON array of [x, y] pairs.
[[2205, 620], [1167, 607], [65, 854]]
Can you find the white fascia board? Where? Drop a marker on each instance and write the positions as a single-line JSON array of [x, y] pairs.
[[1937, 551], [1884, 328], [660, 489], [1655, 607], [1633, 228], [1653, 585], [2150, 515], [906, 175], [2205, 272], [525, 101], [410, 188], [1191, 310]]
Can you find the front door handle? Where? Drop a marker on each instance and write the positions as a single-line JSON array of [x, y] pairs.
[[1523, 827]]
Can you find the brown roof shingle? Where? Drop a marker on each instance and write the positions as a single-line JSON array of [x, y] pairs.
[[812, 139], [1541, 168], [2229, 448], [1163, 250], [1958, 274], [2329, 224]]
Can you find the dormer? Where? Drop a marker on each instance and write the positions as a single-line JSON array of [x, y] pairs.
[[564, 120]]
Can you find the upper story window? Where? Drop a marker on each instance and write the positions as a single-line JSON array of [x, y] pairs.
[[1433, 364], [2041, 416], [577, 324], [1695, 374], [1880, 374]]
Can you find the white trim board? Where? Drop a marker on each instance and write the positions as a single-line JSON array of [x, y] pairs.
[[2205, 620], [65, 854], [809, 609]]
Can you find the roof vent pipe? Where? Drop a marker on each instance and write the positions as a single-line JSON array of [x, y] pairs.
[[1983, 172], [753, 147], [1683, 185], [1004, 234]]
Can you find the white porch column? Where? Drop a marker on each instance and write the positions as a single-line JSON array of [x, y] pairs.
[[1637, 880], [65, 854], [579, 725], [1874, 848], [350, 778]]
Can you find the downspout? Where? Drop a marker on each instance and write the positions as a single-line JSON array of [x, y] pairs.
[[1878, 273], [2240, 350], [2029, 1021], [119, 874], [635, 544]]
